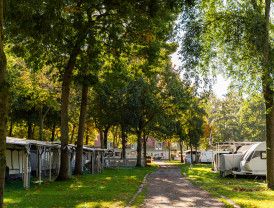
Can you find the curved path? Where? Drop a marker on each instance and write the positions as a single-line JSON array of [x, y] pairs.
[[168, 188]]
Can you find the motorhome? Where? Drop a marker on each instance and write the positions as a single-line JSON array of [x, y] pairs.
[[248, 160]]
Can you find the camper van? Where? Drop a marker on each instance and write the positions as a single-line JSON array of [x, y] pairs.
[[249, 160], [254, 161], [188, 156], [206, 156]]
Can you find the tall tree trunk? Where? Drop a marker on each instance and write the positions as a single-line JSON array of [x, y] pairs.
[[169, 151], [72, 133], [139, 148], [41, 124], [181, 150], [123, 156], [11, 127], [102, 139], [145, 146], [191, 155], [32, 132], [4, 98], [81, 131], [268, 96], [53, 132], [30, 135], [87, 135], [196, 155], [64, 173], [41, 121], [106, 137]]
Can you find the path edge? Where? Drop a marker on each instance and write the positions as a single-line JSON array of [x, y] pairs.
[[228, 200], [140, 189]]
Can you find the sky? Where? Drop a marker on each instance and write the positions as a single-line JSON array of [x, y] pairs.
[[220, 87]]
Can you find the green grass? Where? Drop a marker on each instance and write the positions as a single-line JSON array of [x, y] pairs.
[[113, 188], [245, 192]]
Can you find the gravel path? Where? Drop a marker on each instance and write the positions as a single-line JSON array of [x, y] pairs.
[[168, 188]]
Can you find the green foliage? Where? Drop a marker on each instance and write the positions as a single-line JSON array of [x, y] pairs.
[[235, 118], [226, 37]]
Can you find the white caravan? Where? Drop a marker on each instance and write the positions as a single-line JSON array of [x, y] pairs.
[[188, 156], [233, 148], [249, 160], [206, 156], [254, 161]]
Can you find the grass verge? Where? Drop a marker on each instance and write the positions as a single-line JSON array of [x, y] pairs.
[[113, 188], [245, 192]]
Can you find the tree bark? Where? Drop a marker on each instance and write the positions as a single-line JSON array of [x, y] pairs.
[[4, 100], [145, 146], [181, 150], [53, 132], [191, 155], [268, 96], [72, 133], [41, 126], [123, 156], [79, 149], [11, 127], [64, 173], [169, 151], [102, 139], [139, 148], [106, 137]]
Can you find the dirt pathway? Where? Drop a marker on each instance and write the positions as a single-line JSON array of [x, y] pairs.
[[168, 188]]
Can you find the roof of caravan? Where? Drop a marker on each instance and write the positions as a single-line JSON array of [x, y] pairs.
[[234, 143], [23, 142]]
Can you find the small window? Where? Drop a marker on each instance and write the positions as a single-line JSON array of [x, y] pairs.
[[162, 154], [158, 145], [249, 156], [263, 155], [133, 153], [117, 154], [256, 154]]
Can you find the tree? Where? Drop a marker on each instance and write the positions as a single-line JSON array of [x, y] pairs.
[[4, 99], [235, 37]]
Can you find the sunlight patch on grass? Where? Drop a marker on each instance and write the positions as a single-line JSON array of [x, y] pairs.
[[246, 192], [113, 188]]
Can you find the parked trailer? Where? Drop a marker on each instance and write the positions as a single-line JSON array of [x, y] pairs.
[[231, 162], [206, 156], [254, 161], [232, 147], [188, 155]]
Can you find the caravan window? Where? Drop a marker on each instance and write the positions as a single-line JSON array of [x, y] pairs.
[[249, 156], [263, 155], [256, 154]]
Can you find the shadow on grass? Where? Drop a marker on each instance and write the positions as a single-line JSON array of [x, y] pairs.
[[113, 188]]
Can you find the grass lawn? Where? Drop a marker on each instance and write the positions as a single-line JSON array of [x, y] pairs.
[[113, 188], [245, 192]]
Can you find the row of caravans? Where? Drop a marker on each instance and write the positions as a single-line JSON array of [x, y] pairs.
[[32, 158], [234, 158]]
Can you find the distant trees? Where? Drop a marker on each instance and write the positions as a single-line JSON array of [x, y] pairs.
[[235, 118]]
